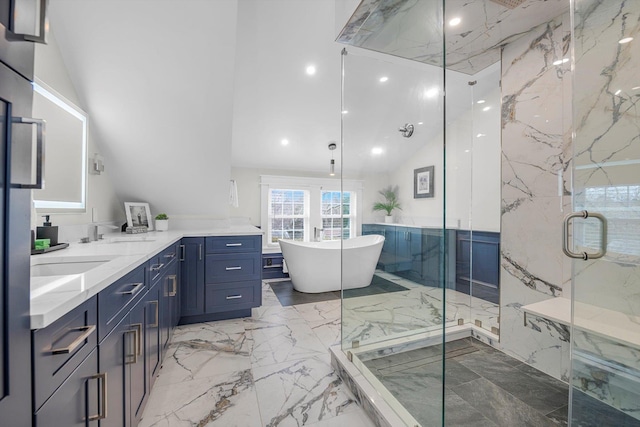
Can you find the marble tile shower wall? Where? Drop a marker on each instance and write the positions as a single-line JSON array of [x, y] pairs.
[[536, 183]]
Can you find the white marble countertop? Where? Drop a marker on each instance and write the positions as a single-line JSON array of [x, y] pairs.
[[54, 296], [609, 324]]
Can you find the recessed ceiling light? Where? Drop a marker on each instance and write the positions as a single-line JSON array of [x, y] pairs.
[[455, 21], [486, 109], [618, 92], [284, 142], [383, 79], [480, 135], [311, 70], [345, 111], [481, 101], [625, 40], [561, 61], [376, 151], [431, 93], [420, 123], [466, 151]]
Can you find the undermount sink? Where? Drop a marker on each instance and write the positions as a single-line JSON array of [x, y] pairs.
[[66, 266]]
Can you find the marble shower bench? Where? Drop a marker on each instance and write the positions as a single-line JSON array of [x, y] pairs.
[[619, 327]]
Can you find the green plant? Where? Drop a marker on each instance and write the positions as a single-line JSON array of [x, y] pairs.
[[390, 195], [162, 216]]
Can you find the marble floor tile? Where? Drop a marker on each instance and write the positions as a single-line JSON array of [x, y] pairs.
[[327, 331], [325, 310], [199, 358], [301, 392], [356, 418], [225, 400], [268, 296], [208, 331], [277, 343]]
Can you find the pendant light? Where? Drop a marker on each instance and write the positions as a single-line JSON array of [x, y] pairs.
[[332, 163]]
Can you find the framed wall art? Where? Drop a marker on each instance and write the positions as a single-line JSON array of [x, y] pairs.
[[423, 182]]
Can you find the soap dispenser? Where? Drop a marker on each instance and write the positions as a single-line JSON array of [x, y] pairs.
[[47, 231]]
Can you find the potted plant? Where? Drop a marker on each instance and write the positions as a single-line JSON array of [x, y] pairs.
[[390, 195], [162, 222]]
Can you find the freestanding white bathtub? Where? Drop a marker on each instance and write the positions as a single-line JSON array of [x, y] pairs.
[[315, 266]]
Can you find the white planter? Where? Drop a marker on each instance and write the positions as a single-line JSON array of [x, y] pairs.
[[162, 224], [388, 218]]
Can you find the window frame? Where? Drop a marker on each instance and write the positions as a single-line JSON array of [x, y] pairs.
[[305, 215], [314, 186], [353, 207]]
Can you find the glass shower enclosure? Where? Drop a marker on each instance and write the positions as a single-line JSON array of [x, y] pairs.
[[497, 123]]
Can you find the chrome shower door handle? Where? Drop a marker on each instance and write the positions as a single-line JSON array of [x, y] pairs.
[[565, 235]]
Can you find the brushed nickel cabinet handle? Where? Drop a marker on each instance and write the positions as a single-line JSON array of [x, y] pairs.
[[234, 296], [174, 292], [200, 252], [102, 403], [138, 327], [182, 251], [156, 323], [171, 255], [136, 288], [156, 267], [88, 330], [133, 358], [233, 268], [230, 245], [40, 143]]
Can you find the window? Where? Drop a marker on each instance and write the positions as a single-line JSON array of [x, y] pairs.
[[288, 214], [294, 207], [336, 222], [620, 205]]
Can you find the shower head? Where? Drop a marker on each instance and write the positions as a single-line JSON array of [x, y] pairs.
[[407, 130], [510, 4]]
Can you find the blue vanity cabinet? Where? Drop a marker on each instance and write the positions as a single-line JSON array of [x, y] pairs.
[[67, 383], [77, 402], [153, 335], [192, 276], [221, 277], [124, 353]]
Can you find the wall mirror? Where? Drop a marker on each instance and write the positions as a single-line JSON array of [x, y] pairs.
[[65, 160]]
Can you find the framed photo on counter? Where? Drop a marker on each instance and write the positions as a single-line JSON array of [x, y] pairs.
[[138, 215]]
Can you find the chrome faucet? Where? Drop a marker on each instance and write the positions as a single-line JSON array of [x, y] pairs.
[[317, 234], [93, 229]]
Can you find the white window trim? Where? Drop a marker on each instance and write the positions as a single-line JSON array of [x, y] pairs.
[[353, 211], [305, 217], [315, 187]]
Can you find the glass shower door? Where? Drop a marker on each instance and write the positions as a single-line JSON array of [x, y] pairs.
[[605, 357]]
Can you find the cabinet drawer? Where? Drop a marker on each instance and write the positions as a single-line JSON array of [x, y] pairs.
[[159, 263], [169, 255], [237, 296], [117, 298], [77, 402], [232, 268], [59, 348], [229, 244]]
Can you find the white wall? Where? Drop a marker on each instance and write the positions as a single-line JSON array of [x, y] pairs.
[[50, 68], [157, 80], [472, 175]]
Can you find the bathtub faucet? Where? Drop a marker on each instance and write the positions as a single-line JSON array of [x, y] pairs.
[[317, 234]]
